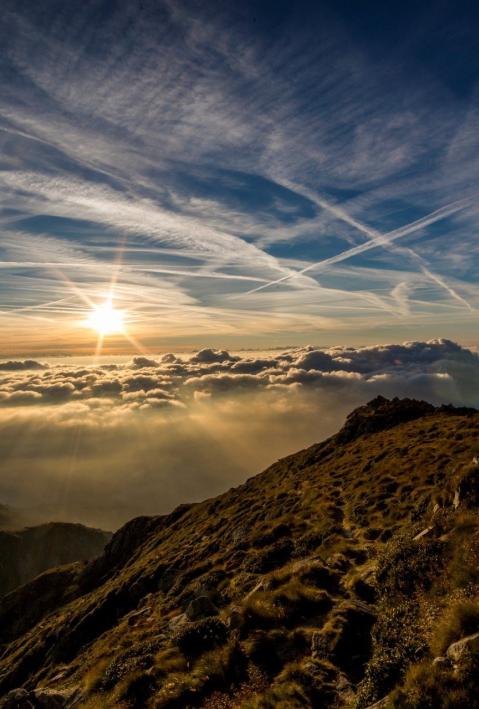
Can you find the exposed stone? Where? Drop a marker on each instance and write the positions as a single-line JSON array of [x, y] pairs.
[[422, 534], [346, 640], [345, 689], [17, 699], [381, 704], [381, 414], [441, 661], [50, 699], [178, 621], [200, 607], [235, 619], [41, 698], [469, 644], [466, 493]]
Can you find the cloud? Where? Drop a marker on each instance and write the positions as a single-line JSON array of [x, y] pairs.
[[208, 356], [103, 152], [16, 366], [103, 443], [441, 361], [143, 362]]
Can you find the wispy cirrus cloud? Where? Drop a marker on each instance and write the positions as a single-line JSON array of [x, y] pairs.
[[222, 151]]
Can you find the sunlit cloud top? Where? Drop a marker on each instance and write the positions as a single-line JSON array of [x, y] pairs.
[[237, 174]]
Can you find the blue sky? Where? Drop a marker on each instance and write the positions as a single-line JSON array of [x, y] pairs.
[[250, 174]]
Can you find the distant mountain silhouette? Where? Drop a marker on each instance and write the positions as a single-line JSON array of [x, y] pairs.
[[345, 575], [28, 552]]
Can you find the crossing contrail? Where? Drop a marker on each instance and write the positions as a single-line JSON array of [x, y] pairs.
[[377, 239]]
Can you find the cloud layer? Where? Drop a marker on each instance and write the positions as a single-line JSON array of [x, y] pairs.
[[103, 443]]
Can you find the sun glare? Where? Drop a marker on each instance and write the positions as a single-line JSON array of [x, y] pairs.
[[106, 320]]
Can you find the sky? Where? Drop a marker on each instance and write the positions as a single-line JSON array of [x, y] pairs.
[[237, 175]]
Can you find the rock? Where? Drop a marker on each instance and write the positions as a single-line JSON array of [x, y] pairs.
[[17, 699], [345, 689], [470, 644], [381, 414], [422, 534], [441, 662], [338, 562], [134, 617], [50, 698], [346, 639], [260, 586], [235, 619], [457, 499], [381, 704], [177, 622], [201, 607]]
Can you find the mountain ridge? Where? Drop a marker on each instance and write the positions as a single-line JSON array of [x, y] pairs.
[[256, 598], [29, 551]]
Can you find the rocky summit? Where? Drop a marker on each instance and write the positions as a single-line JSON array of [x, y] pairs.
[[345, 575]]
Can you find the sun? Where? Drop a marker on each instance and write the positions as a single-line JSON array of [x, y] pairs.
[[106, 320]]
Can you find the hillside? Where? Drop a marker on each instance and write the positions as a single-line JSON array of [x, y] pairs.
[[28, 552], [343, 575]]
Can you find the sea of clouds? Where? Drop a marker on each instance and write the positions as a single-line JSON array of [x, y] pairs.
[[103, 443]]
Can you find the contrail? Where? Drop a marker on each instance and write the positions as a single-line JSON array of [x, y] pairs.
[[378, 239]]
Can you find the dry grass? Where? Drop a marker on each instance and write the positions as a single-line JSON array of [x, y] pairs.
[[303, 533]]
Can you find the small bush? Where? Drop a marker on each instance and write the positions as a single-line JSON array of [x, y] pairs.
[[429, 686], [195, 638], [461, 619], [269, 558], [407, 566], [298, 686], [289, 603]]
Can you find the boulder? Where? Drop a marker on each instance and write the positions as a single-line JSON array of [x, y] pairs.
[[346, 639], [200, 607], [381, 704], [17, 699], [50, 699], [344, 689], [466, 493], [235, 619], [177, 622], [381, 414], [442, 662], [469, 644]]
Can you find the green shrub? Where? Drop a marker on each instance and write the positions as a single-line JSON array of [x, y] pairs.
[[460, 620], [407, 566], [195, 638], [428, 686]]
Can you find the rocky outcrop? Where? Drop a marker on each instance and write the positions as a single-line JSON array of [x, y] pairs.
[[469, 644], [380, 414], [37, 699]]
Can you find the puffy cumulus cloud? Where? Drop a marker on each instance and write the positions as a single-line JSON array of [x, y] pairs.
[[439, 370], [143, 362], [100, 444], [208, 356], [16, 366]]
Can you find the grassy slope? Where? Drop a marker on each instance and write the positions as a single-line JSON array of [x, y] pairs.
[[324, 598]]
